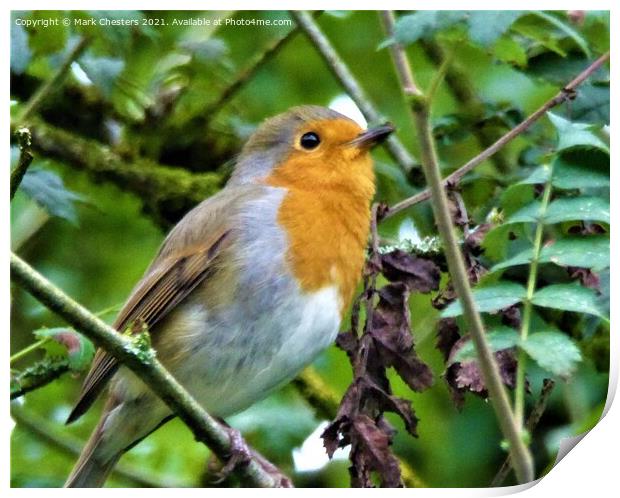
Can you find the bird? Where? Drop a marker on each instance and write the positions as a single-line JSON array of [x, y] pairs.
[[249, 287]]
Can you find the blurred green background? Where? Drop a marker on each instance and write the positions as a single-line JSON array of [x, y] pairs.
[[148, 93]]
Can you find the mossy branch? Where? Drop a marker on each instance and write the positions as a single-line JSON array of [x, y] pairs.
[[144, 364], [36, 376], [420, 111], [25, 159], [167, 192]]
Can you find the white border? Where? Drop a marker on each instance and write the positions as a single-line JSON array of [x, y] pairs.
[[590, 470]]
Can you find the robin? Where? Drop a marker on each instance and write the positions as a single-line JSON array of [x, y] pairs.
[[250, 286]]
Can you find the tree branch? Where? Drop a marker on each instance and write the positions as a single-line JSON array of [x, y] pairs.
[[420, 110], [249, 71], [388, 20], [143, 363], [38, 375], [532, 422], [167, 192], [72, 446], [25, 159], [51, 85], [567, 93], [342, 73]]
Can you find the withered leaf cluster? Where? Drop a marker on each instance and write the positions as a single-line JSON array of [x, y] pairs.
[[385, 342]]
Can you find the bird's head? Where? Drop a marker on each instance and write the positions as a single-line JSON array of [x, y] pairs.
[[311, 147]]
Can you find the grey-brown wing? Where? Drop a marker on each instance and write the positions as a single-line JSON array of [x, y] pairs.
[[169, 282]]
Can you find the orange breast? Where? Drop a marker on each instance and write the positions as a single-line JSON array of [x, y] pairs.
[[326, 218]]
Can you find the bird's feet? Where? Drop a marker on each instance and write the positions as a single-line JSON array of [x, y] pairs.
[[242, 454]]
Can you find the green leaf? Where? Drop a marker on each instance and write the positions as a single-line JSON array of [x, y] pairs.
[[566, 29], [592, 103], [537, 29], [51, 39], [569, 297], [506, 49], [339, 14], [521, 193], [537, 177], [116, 37], [425, 23], [522, 258], [20, 51], [515, 197], [528, 214], [47, 189], [578, 208], [103, 72], [486, 26], [496, 241], [207, 51], [579, 169], [490, 298], [68, 343], [584, 252], [572, 135], [565, 209], [498, 338], [553, 351]]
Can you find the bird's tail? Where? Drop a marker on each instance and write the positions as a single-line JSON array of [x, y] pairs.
[[90, 473], [92, 468]]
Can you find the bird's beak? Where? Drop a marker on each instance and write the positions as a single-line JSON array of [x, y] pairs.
[[372, 136]]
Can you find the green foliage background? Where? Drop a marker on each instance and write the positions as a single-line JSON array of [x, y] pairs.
[[94, 239]]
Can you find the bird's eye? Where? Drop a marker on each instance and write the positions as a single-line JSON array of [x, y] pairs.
[[310, 140]]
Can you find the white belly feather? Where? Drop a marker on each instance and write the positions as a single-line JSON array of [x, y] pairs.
[[301, 336]]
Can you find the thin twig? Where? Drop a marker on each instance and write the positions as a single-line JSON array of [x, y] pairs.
[[342, 73], [72, 446], [144, 364], [398, 55], [532, 422], [565, 94], [519, 404], [25, 159], [53, 83], [250, 70], [22, 353], [439, 76], [521, 456]]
